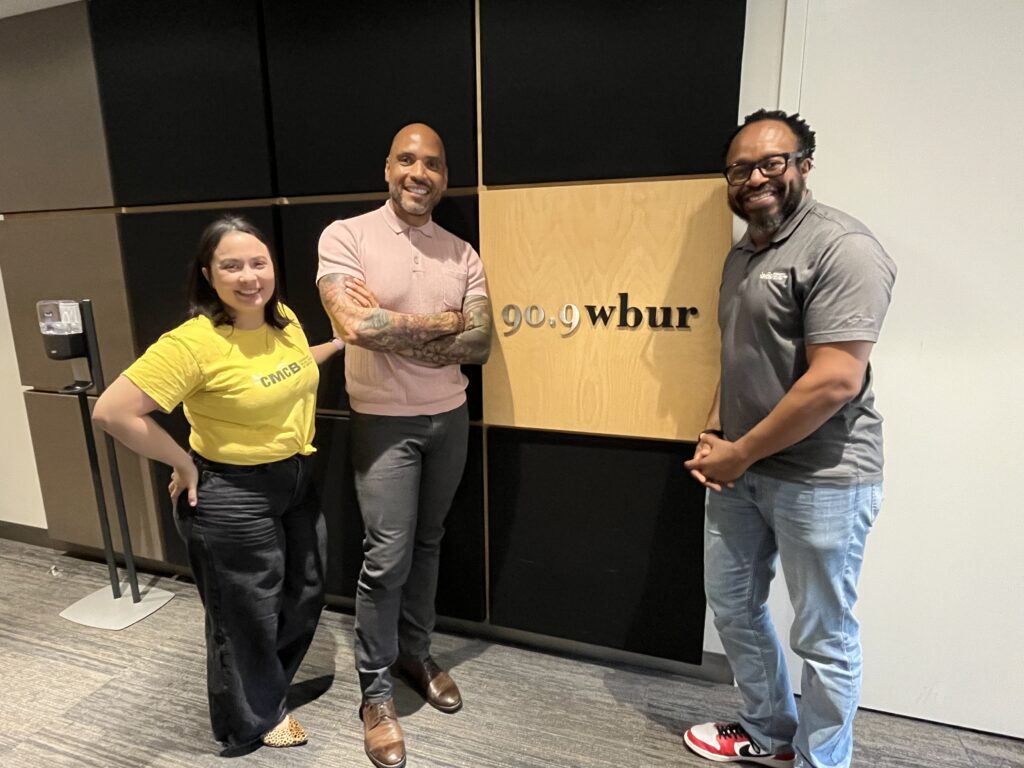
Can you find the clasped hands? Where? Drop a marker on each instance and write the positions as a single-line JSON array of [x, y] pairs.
[[717, 462]]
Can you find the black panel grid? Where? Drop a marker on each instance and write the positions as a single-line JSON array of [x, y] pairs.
[[574, 91], [182, 92], [597, 540], [345, 76], [461, 585]]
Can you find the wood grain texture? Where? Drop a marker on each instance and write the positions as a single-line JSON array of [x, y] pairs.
[[53, 153], [662, 243], [65, 479]]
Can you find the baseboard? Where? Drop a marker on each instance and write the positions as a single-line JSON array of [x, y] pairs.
[[26, 534], [714, 667]]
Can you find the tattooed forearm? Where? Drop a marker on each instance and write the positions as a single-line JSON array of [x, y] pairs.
[[473, 345], [379, 329]]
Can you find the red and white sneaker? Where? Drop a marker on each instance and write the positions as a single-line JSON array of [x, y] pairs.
[[729, 743]]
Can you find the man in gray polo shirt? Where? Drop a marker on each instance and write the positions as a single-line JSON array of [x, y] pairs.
[[792, 451]]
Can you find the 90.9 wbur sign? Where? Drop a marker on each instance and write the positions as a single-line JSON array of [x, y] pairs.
[[569, 316], [534, 316]]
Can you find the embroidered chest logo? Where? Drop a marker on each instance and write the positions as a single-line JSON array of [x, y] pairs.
[[782, 278]]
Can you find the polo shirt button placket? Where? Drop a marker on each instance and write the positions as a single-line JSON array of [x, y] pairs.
[[416, 256]]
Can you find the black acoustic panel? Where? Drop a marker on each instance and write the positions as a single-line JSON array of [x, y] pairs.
[[158, 250], [160, 475], [461, 590], [609, 90], [461, 586], [474, 391], [182, 91], [598, 540], [344, 77], [301, 226], [460, 215], [336, 487]]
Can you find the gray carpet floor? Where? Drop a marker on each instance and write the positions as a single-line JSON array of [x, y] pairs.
[[75, 696]]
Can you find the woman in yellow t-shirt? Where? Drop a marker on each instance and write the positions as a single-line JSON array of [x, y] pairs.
[[242, 496]]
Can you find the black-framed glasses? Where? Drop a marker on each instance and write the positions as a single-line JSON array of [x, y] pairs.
[[770, 167]]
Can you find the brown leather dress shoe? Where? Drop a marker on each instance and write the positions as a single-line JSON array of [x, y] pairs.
[[432, 683], [382, 735]]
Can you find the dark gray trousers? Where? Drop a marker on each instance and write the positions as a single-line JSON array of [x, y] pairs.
[[407, 469], [257, 546]]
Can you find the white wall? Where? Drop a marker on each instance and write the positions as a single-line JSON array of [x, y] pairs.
[[20, 499], [918, 110]]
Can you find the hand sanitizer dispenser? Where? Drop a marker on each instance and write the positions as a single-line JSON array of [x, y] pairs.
[[60, 322]]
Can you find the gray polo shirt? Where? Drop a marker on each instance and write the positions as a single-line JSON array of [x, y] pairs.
[[822, 278]]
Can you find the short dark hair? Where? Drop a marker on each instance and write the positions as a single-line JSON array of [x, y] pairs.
[[203, 299], [799, 127]]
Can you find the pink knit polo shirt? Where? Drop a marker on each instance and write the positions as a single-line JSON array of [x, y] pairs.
[[414, 270]]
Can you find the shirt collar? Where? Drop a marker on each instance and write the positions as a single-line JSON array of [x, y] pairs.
[[400, 227], [785, 229]]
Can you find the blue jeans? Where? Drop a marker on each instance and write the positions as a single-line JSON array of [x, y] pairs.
[[818, 534]]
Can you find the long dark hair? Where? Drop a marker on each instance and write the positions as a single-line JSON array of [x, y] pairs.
[[202, 298]]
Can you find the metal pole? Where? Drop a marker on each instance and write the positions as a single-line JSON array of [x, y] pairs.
[[89, 326], [97, 484]]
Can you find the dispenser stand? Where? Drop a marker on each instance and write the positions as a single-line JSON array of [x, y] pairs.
[[108, 609]]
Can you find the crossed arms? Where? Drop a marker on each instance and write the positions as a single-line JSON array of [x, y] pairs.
[[435, 339]]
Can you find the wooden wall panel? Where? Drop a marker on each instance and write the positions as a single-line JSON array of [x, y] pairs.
[[52, 150], [658, 244], [64, 257], [58, 440]]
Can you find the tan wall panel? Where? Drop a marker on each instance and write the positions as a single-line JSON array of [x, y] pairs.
[[64, 257], [65, 478], [663, 243], [53, 153]]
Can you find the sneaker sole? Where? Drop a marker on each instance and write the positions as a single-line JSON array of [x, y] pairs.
[[705, 753], [772, 762]]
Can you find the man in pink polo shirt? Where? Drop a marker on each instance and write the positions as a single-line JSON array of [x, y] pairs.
[[429, 312]]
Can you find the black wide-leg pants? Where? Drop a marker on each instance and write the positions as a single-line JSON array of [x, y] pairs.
[[256, 542]]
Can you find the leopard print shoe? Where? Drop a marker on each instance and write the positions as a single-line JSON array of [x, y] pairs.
[[287, 733]]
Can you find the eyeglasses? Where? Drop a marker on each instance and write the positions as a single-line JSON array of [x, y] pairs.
[[770, 167]]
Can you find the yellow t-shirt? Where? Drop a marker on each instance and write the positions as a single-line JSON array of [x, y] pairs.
[[250, 396]]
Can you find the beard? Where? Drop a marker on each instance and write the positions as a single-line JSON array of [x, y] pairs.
[[766, 222], [410, 206]]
